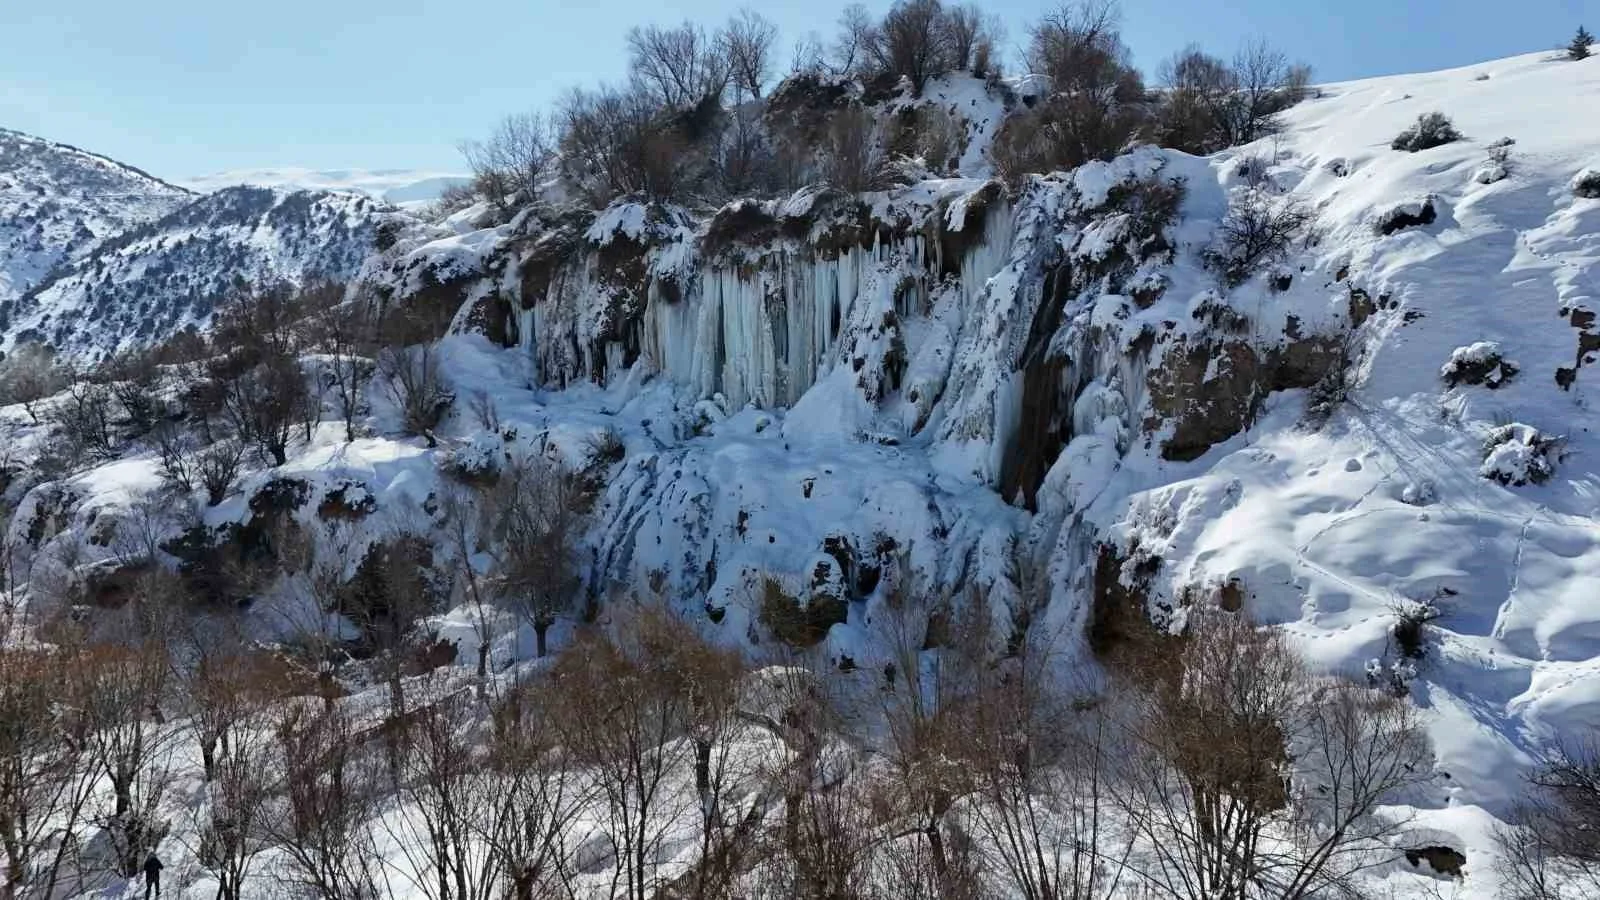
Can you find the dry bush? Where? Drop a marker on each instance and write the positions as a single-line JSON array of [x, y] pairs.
[[1430, 130]]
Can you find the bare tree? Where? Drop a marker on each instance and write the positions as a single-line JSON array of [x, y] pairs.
[[645, 690], [539, 795], [1552, 849], [679, 68], [1261, 77], [46, 779], [617, 141], [851, 51], [350, 340], [747, 42], [84, 415], [509, 164], [265, 403], [536, 525], [239, 790], [1247, 777], [443, 779], [216, 467], [119, 688], [414, 379], [915, 40], [1098, 101], [1197, 89]]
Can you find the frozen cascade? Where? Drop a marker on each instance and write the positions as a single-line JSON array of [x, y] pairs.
[[758, 334]]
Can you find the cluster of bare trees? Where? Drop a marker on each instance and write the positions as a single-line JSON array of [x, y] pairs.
[[277, 363], [682, 126], [1209, 104], [643, 760]]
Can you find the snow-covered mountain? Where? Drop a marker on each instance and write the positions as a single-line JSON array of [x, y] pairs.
[[779, 403], [405, 188], [153, 279], [58, 202]]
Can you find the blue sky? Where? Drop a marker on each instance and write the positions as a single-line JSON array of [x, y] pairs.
[[188, 87]]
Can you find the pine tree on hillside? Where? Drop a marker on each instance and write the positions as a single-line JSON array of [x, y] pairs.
[[1579, 48]]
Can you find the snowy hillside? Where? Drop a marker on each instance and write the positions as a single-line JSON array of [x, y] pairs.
[[1137, 414], [162, 276], [58, 202], [405, 188], [1068, 406]]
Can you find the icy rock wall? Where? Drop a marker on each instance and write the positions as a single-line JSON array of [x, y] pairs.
[[762, 322]]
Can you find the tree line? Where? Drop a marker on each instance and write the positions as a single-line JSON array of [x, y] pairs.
[[705, 116]]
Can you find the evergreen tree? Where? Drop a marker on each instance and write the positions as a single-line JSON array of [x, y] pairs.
[[1579, 48]]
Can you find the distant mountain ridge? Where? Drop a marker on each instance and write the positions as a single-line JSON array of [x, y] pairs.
[[402, 187], [59, 202], [163, 276]]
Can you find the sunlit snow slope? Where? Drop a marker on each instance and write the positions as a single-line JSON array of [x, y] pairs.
[[1329, 531]]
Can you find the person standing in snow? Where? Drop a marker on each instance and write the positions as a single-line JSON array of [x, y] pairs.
[[152, 875]]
